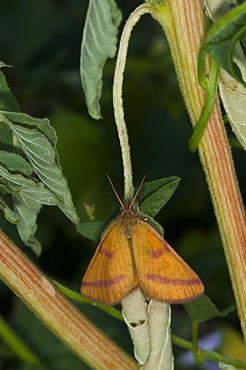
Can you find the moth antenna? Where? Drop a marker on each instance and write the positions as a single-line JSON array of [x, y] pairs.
[[137, 192], [116, 194]]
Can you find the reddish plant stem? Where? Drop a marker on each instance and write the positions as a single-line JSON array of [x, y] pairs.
[[75, 330], [183, 23]]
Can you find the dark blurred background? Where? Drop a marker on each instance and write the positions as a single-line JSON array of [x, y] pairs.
[[41, 40]]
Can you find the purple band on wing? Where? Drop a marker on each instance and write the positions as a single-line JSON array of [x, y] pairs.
[[103, 283], [166, 280], [158, 253], [107, 253]]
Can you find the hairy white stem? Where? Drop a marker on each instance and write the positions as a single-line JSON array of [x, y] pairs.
[[118, 102], [160, 356], [135, 313]]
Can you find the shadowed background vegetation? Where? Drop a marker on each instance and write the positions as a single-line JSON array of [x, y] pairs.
[[41, 41]]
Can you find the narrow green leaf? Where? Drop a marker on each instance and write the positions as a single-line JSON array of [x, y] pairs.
[[222, 37], [17, 345], [98, 44], [81, 299], [202, 309], [155, 194], [7, 100], [92, 229], [211, 93], [235, 142]]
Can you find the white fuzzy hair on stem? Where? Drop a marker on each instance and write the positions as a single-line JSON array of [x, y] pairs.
[[118, 102]]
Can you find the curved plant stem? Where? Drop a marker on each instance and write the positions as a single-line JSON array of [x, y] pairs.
[[207, 354], [117, 99], [183, 23], [17, 345], [81, 336]]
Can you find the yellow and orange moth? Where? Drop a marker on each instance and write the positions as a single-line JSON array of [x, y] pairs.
[[132, 254]]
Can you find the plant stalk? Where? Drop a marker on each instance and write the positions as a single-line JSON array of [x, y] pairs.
[[183, 23], [57, 313], [118, 101]]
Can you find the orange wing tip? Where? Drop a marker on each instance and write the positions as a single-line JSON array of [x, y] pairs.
[[186, 299], [108, 300], [183, 300]]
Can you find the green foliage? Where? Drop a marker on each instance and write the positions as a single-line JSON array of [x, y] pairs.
[[92, 229], [211, 93], [222, 37], [99, 43], [152, 197], [81, 299], [155, 194], [219, 44], [30, 170], [202, 309], [7, 100]]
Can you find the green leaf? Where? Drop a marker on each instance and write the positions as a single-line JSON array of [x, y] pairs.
[[222, 37], [98, 44], [235, 142], [27, 202], [15, 163], [81, 299], [35, 138], [211, 93], [92, 229], [155, 194], [233, 97], [8, 187], [42, 124], [7, 100], [6, 137], [9, 214], [202, 309], [33, 190]]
